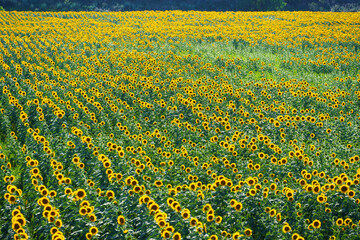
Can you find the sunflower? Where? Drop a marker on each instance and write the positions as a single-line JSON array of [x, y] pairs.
[[110, 194], [16, 226], [68, 191], [252, 192], [58, 223], [295, 236], [218, 219], [316, 224], [53, 230], [344, 188], [93, 230], [51, 218], [137, 189], [286, 228], [273, 186], [15, 212], [238, 206], [121, 220], [154, 207], [92, 217], [351, 193], [44, 201], [165, 234], [83, 211], [272, 212], [88, 236], [193, 222], [236, 236], [107, 164], [47, 207], [52, 193], [185, 214], [158, 183], [80, 193], [321, 198], [248, 232], [339, 222], [210, 217], [347, 221], [177, 236], [162, 223], [213, 237]]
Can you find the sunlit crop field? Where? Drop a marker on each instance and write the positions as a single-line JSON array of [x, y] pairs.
[[179, 125]]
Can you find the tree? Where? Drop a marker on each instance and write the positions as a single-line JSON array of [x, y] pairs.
[[268, 5]]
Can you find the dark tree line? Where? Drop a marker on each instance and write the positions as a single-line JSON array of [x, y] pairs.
[[201, 5]]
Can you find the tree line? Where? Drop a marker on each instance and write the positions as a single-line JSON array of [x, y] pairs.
[[200, 5]]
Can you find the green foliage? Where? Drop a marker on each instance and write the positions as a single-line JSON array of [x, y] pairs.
[[207, 5], [175, 92], [269, 5]]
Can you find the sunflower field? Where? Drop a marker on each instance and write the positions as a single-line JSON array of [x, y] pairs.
[[179, 125]]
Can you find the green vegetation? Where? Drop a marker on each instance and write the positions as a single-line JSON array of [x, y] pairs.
[[179, 125], [201, 5]]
